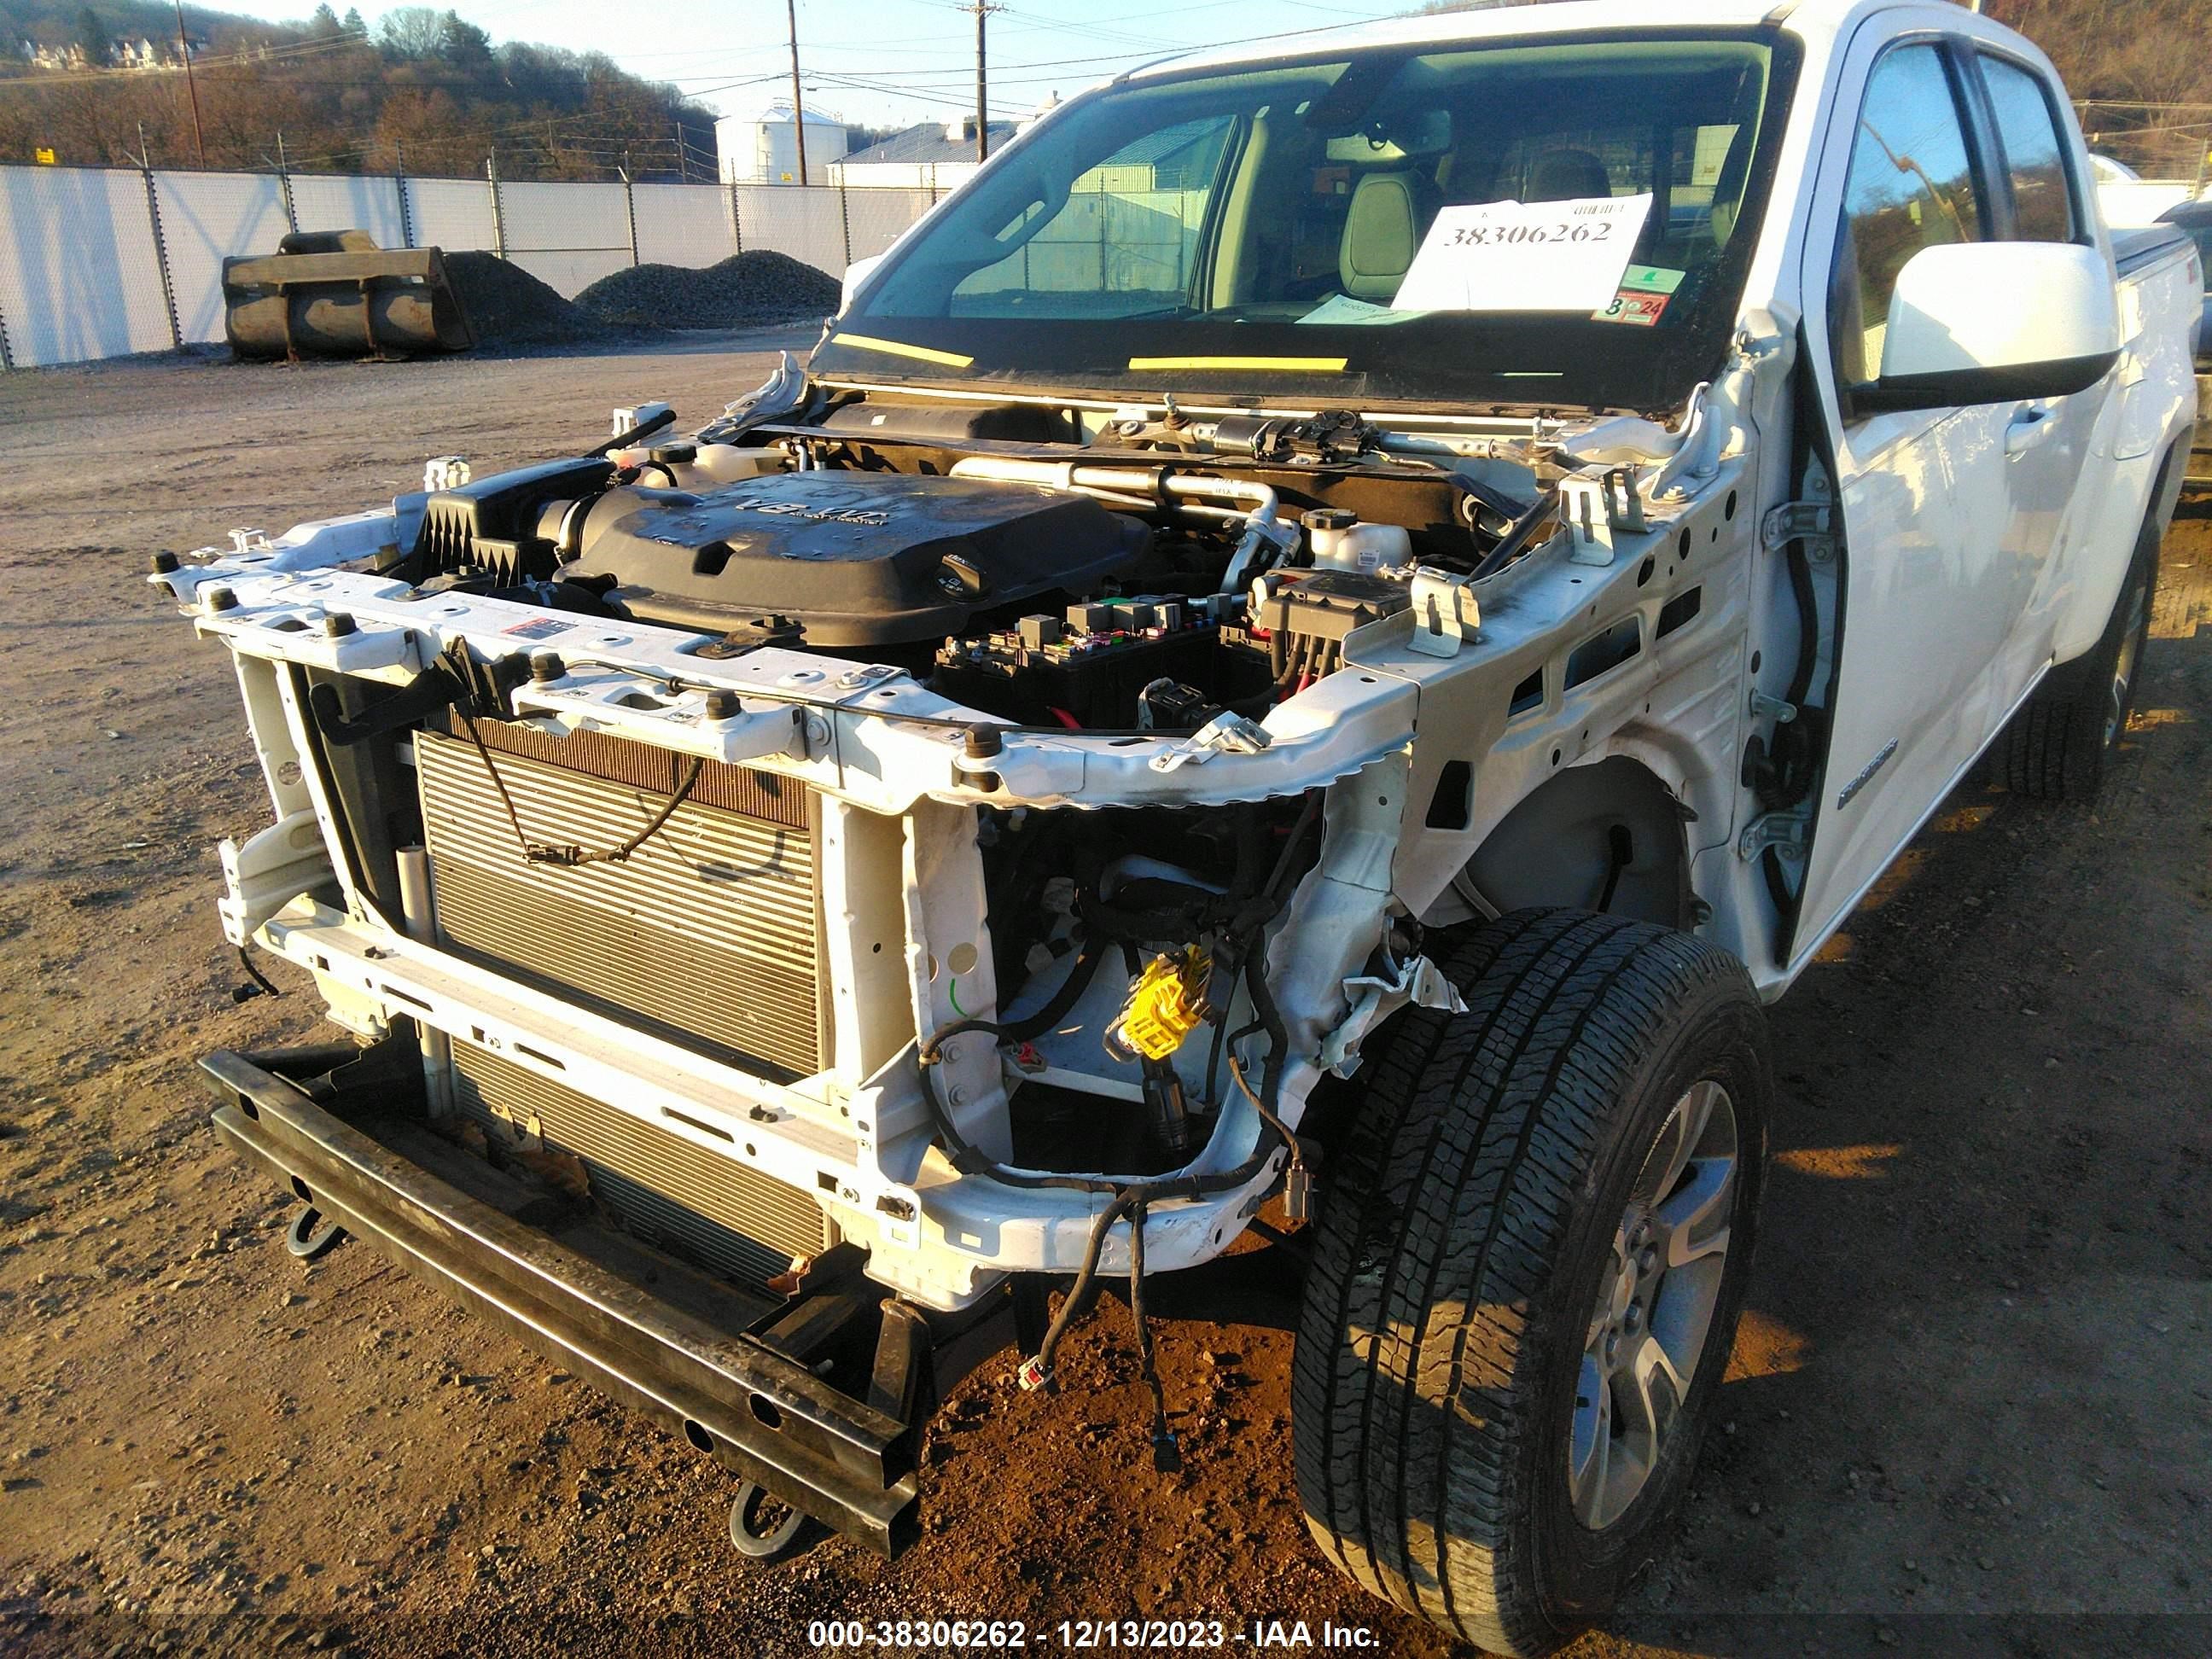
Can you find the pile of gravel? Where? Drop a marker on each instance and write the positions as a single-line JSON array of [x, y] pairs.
[[741, 291], [507, 305]]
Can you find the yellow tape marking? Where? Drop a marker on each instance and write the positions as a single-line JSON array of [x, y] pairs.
[[900, 348], [1281, 365]]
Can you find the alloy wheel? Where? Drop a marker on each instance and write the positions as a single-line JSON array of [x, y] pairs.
[[1654, 1305]]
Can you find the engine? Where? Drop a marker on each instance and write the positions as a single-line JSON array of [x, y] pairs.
[[1128, 589], [852, 559]]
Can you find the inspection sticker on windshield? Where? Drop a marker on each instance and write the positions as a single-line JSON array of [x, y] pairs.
[[1525, 256], [1645, 291]]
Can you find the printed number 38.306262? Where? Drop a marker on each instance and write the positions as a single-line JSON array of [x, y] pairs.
[[1596, 230]]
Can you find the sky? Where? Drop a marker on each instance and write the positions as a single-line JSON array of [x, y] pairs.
[[880, 63]]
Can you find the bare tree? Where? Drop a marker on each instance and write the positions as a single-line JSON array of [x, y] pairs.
[[411, 32]]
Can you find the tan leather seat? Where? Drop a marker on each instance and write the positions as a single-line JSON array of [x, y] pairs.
[[1382, 229]]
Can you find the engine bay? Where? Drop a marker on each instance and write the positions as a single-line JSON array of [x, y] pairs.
[[1144, 575]]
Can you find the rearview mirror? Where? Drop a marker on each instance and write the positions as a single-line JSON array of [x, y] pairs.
[[1409, 133], [1990, 322]]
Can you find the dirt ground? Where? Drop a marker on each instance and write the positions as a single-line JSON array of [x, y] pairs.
[[1971, 1410]]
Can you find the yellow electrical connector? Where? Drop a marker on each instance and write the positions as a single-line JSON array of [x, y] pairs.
[[1166, 1005]]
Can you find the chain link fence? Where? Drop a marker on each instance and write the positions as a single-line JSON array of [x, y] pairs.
[[100, 262], [2171, 143]]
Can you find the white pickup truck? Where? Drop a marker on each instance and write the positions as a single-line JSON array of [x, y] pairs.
[[1305, 654]]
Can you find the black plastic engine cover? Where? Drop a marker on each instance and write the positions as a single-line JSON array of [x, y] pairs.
[[853, 558], [492, 524]]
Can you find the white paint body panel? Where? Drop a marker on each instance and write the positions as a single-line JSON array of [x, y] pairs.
[[1985, 543]]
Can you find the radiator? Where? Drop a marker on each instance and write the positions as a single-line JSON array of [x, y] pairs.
[[705, 935], [706, 1208]]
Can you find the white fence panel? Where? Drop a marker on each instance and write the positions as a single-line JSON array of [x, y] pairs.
[[78, 277], [454, 214], [569, 272], [804, 223], [568, 236], [346, 202], [205, 218], [548, 218], [879, 217], [683, 225]]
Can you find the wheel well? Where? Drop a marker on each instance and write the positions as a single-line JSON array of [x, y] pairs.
[[1607, 837]]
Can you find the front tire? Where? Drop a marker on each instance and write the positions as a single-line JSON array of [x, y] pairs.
[[1527, 1275]]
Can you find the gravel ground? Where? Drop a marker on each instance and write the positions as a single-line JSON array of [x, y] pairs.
[[1971, 1410]]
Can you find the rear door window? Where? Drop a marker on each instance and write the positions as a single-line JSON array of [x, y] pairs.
[[2034, 154]]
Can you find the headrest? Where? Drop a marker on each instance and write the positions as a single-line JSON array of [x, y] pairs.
[[1381, 232], [1562, 175]]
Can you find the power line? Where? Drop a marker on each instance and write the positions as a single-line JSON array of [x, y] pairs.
[[1151, 56]]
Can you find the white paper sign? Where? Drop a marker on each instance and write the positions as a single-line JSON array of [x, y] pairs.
[[1525, 256], [1342, 308]]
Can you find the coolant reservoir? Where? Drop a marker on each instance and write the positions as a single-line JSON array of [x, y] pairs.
[[723, 464], [1340, 542], [702, 466]]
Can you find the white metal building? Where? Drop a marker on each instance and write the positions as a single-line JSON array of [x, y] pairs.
[[935, 156], [763, 149]]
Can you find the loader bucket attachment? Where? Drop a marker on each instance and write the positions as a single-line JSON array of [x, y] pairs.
[[336, 294]]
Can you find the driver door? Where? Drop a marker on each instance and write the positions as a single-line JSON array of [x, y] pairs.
[[1951, 515]]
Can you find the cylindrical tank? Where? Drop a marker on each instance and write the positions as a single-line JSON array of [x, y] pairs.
[[337, 294]]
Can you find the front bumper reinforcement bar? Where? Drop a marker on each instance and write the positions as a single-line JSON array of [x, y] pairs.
[[760, 1411]]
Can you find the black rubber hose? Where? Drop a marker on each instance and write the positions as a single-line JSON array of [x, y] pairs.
[[1808, 624], [644, 429], [1278, 1043], [1800, 686], [1057, 1005], [1102, 1225], [1167, 1457], [1306, 817]]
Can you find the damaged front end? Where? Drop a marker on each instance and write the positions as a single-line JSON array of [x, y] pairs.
[[831, 876]]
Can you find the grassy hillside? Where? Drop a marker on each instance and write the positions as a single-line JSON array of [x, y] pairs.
[[346, 94]]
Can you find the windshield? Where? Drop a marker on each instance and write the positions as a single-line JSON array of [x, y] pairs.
[[1565, 223]]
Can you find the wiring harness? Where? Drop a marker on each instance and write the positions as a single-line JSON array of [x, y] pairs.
[[1238, 920]]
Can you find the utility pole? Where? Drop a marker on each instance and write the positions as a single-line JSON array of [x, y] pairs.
[[798, 109], [982, 10], [184, 51]]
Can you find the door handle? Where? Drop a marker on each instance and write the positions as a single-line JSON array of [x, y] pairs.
[[2030, 425]]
